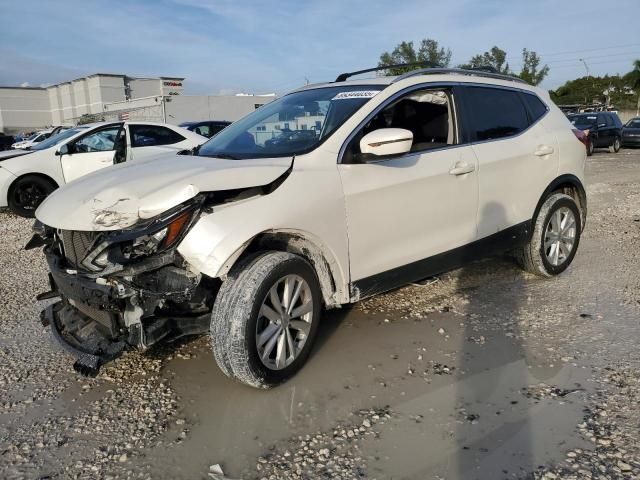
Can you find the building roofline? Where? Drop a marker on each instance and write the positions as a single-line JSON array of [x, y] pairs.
[[7, 87]]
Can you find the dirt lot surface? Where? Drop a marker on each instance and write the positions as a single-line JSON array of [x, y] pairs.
[[486, 373]]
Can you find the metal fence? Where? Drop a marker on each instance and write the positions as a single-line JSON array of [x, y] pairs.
[[154, 113]]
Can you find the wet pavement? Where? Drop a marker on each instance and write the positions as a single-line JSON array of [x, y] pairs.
[[485, 373]]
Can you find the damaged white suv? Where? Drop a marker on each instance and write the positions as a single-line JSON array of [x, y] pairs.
[[330, 194]]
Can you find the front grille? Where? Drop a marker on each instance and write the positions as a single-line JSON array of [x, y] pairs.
[[76, 245]]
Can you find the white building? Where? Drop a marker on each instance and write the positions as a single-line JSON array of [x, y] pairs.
[[110, 97], [31, 108]]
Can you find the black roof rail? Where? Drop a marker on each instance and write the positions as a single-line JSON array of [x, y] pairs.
[[343, 76], [487, 72]]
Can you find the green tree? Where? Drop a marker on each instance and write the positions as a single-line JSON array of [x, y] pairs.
[[531, 71], [429, 52], [496, 58]]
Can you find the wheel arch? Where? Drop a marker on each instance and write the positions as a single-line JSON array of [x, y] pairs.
[[32, 174], [330, 275], [570, 185]]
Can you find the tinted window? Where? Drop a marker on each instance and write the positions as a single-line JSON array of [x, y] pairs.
[[495, 113], [203, 130], [100, 141], [536, 108], [150, 135]]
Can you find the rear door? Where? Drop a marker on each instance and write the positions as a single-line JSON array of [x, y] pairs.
[[148, 140], [91, 152], [517, 155]]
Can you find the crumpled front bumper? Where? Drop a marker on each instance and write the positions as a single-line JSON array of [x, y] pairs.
[[90, 355]]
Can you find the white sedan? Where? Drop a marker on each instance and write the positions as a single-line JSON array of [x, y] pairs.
[[28, 177], [33, 140]]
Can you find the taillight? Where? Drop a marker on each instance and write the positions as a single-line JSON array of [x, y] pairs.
[[582, 136]]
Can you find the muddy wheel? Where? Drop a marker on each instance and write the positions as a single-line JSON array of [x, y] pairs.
[[555, 237], [265, 318], [27, 193], [615, 146]]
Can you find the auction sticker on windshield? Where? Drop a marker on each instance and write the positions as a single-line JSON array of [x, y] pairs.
[[356, 94]]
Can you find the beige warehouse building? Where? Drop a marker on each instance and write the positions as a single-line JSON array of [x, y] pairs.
[[30, 108], [109, 97]]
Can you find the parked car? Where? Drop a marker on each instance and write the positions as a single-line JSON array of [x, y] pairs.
[[250, 242], [6, 141], [27, 178], [603, 129], [631, 133], [206, 128], [32, 140]]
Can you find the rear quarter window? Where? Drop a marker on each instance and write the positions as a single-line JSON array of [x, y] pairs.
[[536, 107], [494, 113]]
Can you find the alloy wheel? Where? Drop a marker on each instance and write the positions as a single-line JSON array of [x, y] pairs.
[[284, 322], [29, 196], [560, 236]]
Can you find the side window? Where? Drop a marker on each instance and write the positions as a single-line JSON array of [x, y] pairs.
[[494, 113], [427, 114], [609, 120], [202, 130], [151, 135], [100, 141], [536, 108]]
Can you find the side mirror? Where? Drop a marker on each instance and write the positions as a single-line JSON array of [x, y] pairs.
[[62, 150], [387, 141]]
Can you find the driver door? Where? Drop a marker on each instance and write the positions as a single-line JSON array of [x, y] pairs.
[[91, 152], [403, 211]]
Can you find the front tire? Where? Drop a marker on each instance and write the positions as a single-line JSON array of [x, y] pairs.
[[27, 193], [590, 148], [555, 237], [615, 146], [265, 319]]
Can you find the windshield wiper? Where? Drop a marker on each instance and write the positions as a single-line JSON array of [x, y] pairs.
[[226, 156]]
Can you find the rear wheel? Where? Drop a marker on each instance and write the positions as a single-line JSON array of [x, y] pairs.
[[590, 148], [265, 319], [27, 193], [615, 146], [555, 237]]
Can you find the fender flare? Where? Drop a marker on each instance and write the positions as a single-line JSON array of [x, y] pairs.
[[566, 180], [331, 276]]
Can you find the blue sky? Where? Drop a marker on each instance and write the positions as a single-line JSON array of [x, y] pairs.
[[225, 46]]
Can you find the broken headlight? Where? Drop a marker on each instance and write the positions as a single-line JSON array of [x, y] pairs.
[[155, 237]]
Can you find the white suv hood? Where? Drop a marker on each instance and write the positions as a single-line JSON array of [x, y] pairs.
[[117, 197]]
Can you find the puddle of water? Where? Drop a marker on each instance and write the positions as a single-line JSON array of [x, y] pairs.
[[362, 362]]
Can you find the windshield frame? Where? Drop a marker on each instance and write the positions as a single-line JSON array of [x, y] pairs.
[[348, 87]]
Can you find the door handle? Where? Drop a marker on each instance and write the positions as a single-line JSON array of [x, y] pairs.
[[543, 150], [462, 168]]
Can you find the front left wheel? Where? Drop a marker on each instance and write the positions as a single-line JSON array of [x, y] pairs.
[[265, 319], [27, 193]]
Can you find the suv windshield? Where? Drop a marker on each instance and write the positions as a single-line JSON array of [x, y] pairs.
[[583, 120], [294, 124], [55, 139]]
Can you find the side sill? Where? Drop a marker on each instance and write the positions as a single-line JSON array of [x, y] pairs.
[[485, 247]]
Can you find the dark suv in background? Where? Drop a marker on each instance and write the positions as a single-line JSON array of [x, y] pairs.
[[603, 130], [631, 133]]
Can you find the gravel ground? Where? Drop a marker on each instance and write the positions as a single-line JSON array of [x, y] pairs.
[[482, 373]]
